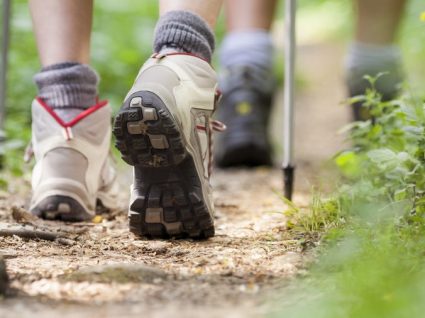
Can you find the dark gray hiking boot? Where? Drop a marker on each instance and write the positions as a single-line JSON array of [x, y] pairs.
[[245, 110]]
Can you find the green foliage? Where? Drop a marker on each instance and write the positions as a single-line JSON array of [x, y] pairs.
[[388, 150], [371, 264]]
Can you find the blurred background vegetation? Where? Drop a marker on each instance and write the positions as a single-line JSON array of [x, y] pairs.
[[122, 37]]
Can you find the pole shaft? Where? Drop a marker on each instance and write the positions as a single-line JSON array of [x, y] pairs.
[[4, 59], [289, 88]]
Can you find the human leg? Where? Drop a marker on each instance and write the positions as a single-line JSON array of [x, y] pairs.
[[70, 130], [252, 14], [164, 126], [247, 83], [207, 10], [62, 30], [377, 21], [374, 50]]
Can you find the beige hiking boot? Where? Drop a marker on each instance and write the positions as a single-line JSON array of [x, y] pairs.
[[164, 130], [72, 169]]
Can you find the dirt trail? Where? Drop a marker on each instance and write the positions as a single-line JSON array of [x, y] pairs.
[[229, 275]]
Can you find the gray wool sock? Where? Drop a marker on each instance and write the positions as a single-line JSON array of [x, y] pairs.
[[365, 59], [250, 49], [68, 88], [253, 47], [185, 32]]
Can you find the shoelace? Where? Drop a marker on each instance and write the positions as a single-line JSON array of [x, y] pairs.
[[217, 126], [29, 152]]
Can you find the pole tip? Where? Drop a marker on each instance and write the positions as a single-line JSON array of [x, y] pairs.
[[288, 181]]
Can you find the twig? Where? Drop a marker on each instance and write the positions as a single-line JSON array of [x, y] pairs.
[[30, 232]]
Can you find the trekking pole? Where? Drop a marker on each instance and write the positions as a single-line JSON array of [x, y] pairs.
[[3, 71], [288, 166]]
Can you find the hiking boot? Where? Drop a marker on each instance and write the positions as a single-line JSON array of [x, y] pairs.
[[72, 169], [164, 130], [244, 109]]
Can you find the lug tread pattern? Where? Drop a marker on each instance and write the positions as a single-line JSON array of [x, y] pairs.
[[62, 208], [169, 200]]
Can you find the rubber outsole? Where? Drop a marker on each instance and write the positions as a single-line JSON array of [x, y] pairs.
[[167, 199], [62, 208]]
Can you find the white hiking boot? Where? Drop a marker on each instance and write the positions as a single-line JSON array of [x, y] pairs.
[[72, 169], [164, 130]]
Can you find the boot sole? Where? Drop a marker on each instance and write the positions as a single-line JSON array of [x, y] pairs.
[[167, 199], [63, 208]]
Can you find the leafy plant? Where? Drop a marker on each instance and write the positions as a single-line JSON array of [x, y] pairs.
[[372, 265], [388, 149]]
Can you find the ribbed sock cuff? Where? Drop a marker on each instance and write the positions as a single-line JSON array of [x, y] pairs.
[[365, 59], [184, 31], [363, 56], [246, 56], [252, 47], [68, 85]]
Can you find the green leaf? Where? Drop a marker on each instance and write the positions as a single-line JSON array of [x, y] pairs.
[[382, 156], [400, 195], [349, 163]]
